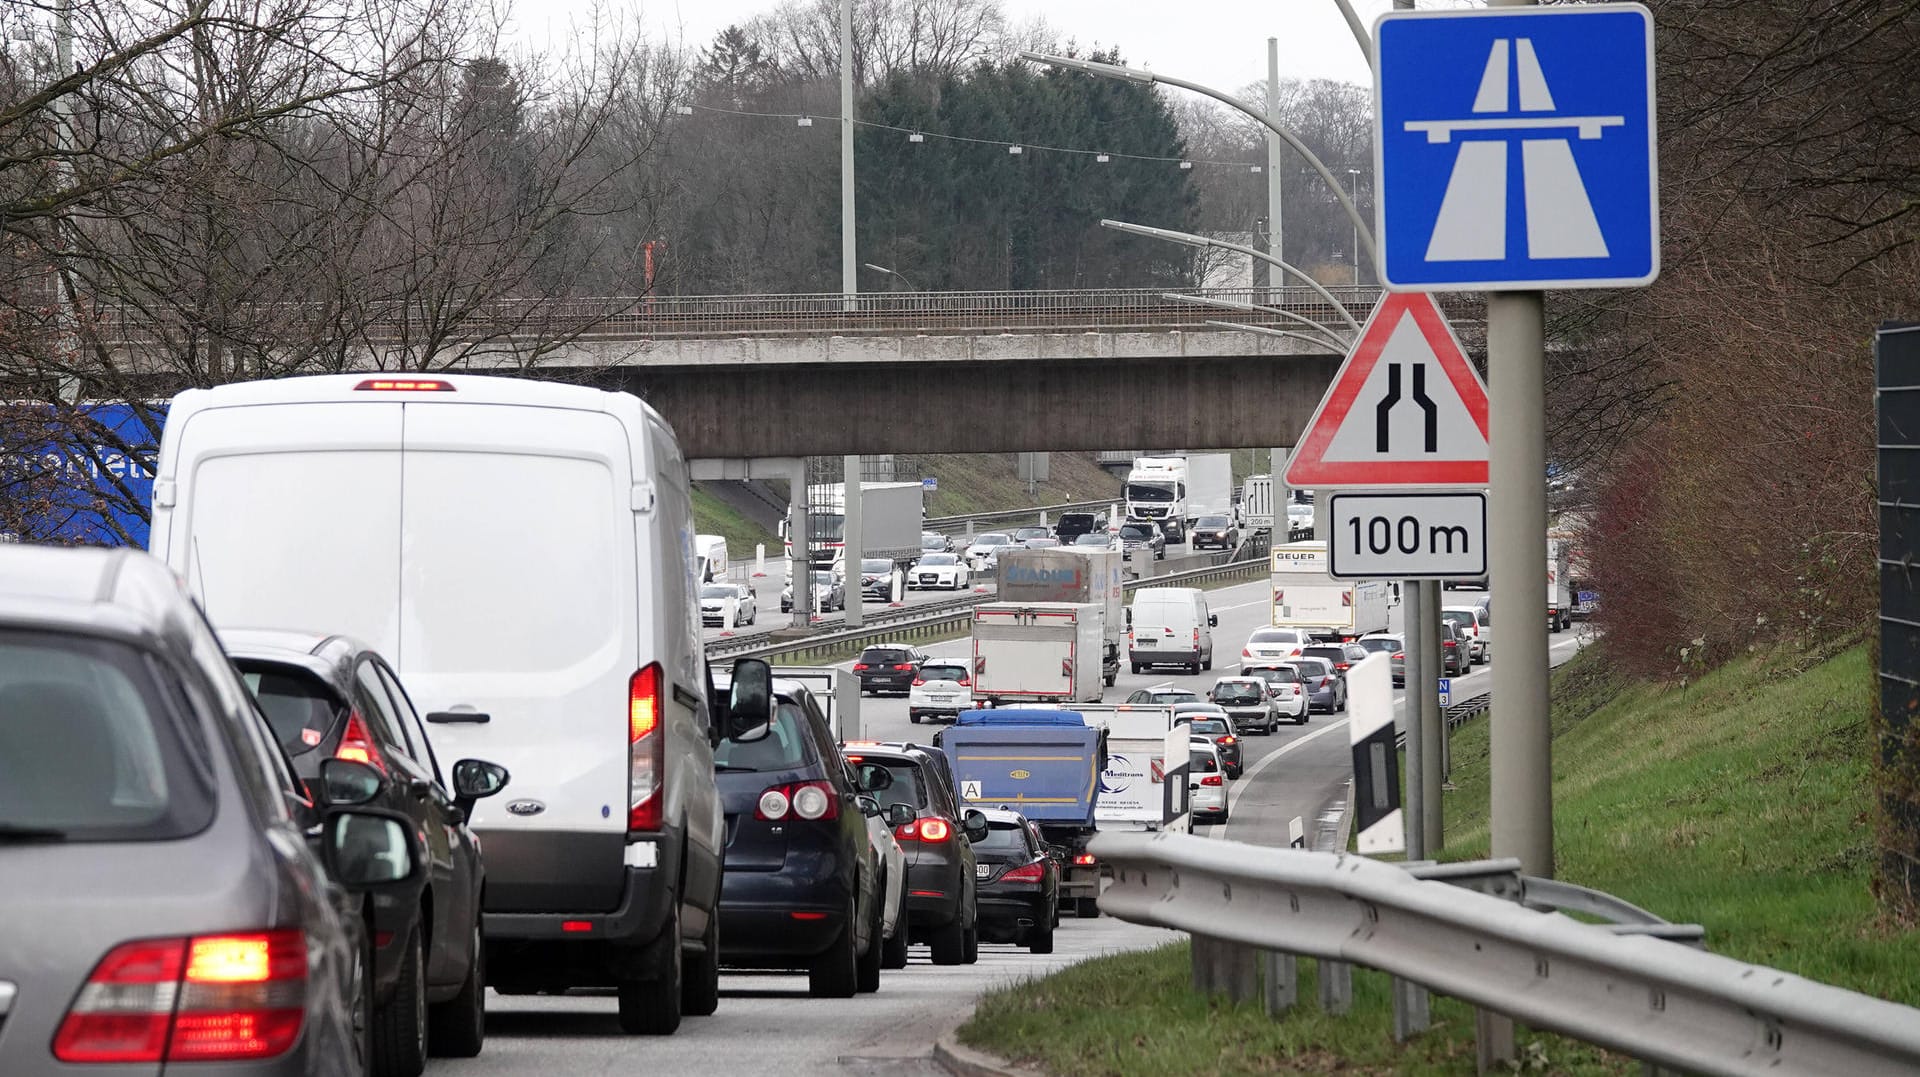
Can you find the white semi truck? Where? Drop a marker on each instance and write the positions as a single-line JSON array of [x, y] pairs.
[[1306, 597], [1156, 490]]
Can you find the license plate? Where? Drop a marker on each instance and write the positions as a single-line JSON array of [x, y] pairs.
[[981, 871]]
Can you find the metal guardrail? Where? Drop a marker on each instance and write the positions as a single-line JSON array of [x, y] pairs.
[[1455, 716], [1625, 988]]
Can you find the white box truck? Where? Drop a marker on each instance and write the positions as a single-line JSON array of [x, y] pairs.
[[1076, 575], [1209, 485], [890, 517], [1306, 597], [710, 557], [1037, 652]]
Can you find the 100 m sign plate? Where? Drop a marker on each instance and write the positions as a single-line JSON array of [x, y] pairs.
[[1410, 536]]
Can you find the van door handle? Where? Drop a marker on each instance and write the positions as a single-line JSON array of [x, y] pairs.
[[459, 717]]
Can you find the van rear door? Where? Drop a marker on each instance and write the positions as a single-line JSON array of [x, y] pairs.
[[520, 599]]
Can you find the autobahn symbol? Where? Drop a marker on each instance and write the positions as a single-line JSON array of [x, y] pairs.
[[1515, 148], [1406, 409]]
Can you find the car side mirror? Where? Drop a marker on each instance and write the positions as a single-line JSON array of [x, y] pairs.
[[345, 782], [476, 779], [873, 778], [900, 815], [1057, 852], [869, 807], [1213, 620], [749, 701], [973, 823], [366, 850]]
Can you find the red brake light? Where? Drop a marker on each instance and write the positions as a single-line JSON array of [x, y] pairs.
[[1026, 873], [919, 681], [1211, 779], [1246, 652], [646, 750], [406, 385], [902, 667], [1402, 655], [214, 998], [1228, 739], [933, 830], [858, 666], [964, 682], [357, 745], [1083, 859]]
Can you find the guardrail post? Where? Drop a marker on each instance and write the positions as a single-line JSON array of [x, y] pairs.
[[1282, 982], [1203, 961], [1222, 967], [1336, 987], [1411, 1012], [1492, 1041]]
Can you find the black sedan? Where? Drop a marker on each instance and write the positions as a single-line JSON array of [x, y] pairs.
[[329, 697], [942, 872], [1019, 883], [1135, 537]]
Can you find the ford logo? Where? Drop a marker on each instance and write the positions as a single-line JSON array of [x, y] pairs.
[[1019, 775], [526, 807]]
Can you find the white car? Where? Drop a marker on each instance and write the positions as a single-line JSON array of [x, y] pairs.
[[1287, 691], [1476, 626], [1206, 783], [1268, 647], [727, 604], [893, 910], [984, 554], [942, 689], [942, 570]]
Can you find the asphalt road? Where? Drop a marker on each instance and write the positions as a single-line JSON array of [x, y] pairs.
[[768, 1025]]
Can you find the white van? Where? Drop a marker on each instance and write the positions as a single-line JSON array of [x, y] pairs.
[[710, 558], [522, 551], [1170, 626]]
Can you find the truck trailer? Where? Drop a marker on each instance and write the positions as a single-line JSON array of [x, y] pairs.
[[1038, 652], [1073, 575], [1307, 598]]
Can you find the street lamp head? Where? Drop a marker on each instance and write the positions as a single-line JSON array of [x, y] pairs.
[[1091, 67]]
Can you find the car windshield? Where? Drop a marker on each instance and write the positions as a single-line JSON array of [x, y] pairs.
[[882, 656], [718, 590], [1075, 519], [875, 564], [89, 750], [1315, 668], [943, 673], [1203, 763], [907, 788], [1331, 654], [784, 746], [1133, 532], [823, 579], [1463, 621], [1208, 725], [1004, 838], [1213, 521], [932, 542], [939, 559], [1092, 540], [993, 540], [1237, 693], [1274, 635], [1379, 644], [299, 708], [1283, 675], [1030, 532]]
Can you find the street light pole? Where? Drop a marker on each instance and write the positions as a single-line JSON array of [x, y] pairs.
[[849, 260], [1206, 241], [1275, 247], [891, 273], [1354, 178]]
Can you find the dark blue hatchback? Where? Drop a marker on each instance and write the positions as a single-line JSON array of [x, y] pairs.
[[801, 889]]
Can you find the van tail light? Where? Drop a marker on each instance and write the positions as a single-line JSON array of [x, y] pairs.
[[1083, 860], [932, 831], [1211, 779], [405, 385], [1026, 873], [646, 751], [357, 744], [809, 801], [212, 998], [1196, 636]]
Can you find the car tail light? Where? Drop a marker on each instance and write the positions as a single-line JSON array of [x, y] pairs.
[[1228, 739], [1342, 666], [1084, 859], [1026, 873], [964, 682], [1210, 779], [1448, 643], [801, 800], [1400, 656], [405, 385], [646, 750], [357, 744], [903, 667], [1245, 653], [933, 831], [212, 998], [1326, 682], [858, 666], [919, 682]]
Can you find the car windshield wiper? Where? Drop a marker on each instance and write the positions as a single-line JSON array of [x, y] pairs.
[[13, 832], [735, 768]]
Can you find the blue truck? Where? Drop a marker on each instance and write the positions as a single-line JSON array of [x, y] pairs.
[[1044, 764]]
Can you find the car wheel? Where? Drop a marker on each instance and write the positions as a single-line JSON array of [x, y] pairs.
[[457, 1028], [913, 717], [1340, 705], [1087, 908], [652, 1007], [895, 954], [1040, 936], [867, 973], [700, 985], [1137, 667], [400, 1026], [362, 987], [949, 943], [836, 972], [972, 945]]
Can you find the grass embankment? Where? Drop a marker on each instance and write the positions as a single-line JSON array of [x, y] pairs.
[[1739, 802], [712, 516], [988, 482]]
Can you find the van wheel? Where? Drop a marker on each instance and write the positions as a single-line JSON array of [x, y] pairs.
[[1137, 667], [867, 973], [894, 955], [949, 943], [913, 717], [457, 1028], [835, 973], [400, 1026], [1208, 663], [652, 1007], [700, 985]]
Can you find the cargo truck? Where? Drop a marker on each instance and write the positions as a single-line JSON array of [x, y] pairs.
[[1077, 575], [1561, 599], [1156, 491], [1306, 597], [890, 517], [1044, 764], [1209, 486], [1038, 652]]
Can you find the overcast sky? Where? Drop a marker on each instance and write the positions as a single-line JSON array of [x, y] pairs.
[[1221, 43]]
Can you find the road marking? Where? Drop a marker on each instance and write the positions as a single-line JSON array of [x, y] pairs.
[[1241, 784]]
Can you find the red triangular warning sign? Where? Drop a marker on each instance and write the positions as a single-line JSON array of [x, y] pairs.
[[1406, 408]]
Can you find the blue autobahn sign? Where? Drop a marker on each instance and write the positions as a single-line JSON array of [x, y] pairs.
[[1514, 148]]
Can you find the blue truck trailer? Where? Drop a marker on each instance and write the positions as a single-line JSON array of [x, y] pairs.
[[1044, 764]]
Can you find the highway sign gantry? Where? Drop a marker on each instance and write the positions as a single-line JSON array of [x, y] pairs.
[[1515, 148], [1408, 535], [1405, 410]]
